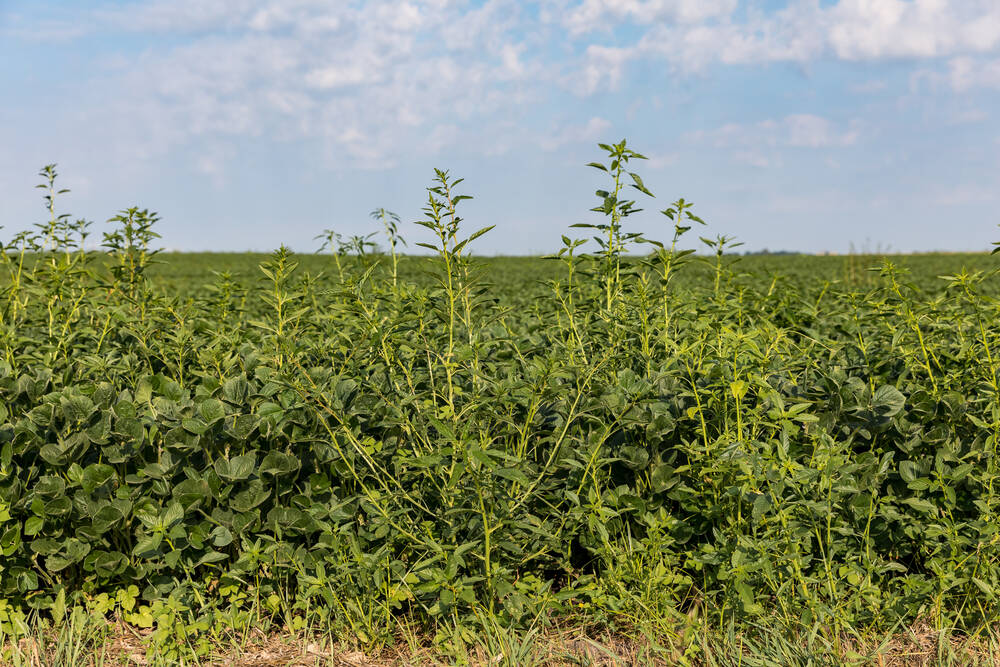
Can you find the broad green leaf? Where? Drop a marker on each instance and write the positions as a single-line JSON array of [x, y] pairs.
[[96, 475], [212, 410], [236, 469], [888, 401], [278, 463]]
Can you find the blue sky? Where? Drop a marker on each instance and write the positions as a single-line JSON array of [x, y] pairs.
[[807, 125]]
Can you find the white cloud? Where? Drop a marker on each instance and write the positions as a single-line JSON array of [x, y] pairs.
[[763, 144], [960, 74], [591, 15], [572, 134], [807, 131], [659, 160], [602, 69], [967, 73], [212, 161], [371, 82], [401, 17], [793, 131], [795, 33], [358, 77], [967, 116], [874, 29], [338, 76], [868, 87], [963, 195], [692, 35], [180, 15]]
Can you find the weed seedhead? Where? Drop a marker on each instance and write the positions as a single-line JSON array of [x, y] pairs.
[[612, 241], [130, 247], [54, 231], [360, 245], [719, 245], [390, 221], [331, 240], [335, 243]]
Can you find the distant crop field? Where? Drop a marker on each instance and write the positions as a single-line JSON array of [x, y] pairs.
[[702, 457]]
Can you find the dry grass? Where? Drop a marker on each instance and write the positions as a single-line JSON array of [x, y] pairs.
[[127, 648], [922, 646], [918, 646]]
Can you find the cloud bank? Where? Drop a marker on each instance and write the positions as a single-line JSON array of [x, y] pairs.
[[378, 79]]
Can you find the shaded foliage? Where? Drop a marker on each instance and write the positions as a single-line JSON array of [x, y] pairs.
[[359, 439]]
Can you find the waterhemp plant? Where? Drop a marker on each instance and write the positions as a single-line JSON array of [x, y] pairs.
[[612, 238], [481, 450], [129, 246], [390, 221], [338, 247]]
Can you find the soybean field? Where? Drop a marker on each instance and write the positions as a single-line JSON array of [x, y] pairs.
[[678, 453]]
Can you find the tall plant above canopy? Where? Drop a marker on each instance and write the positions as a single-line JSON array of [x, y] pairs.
[[611, 237]]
